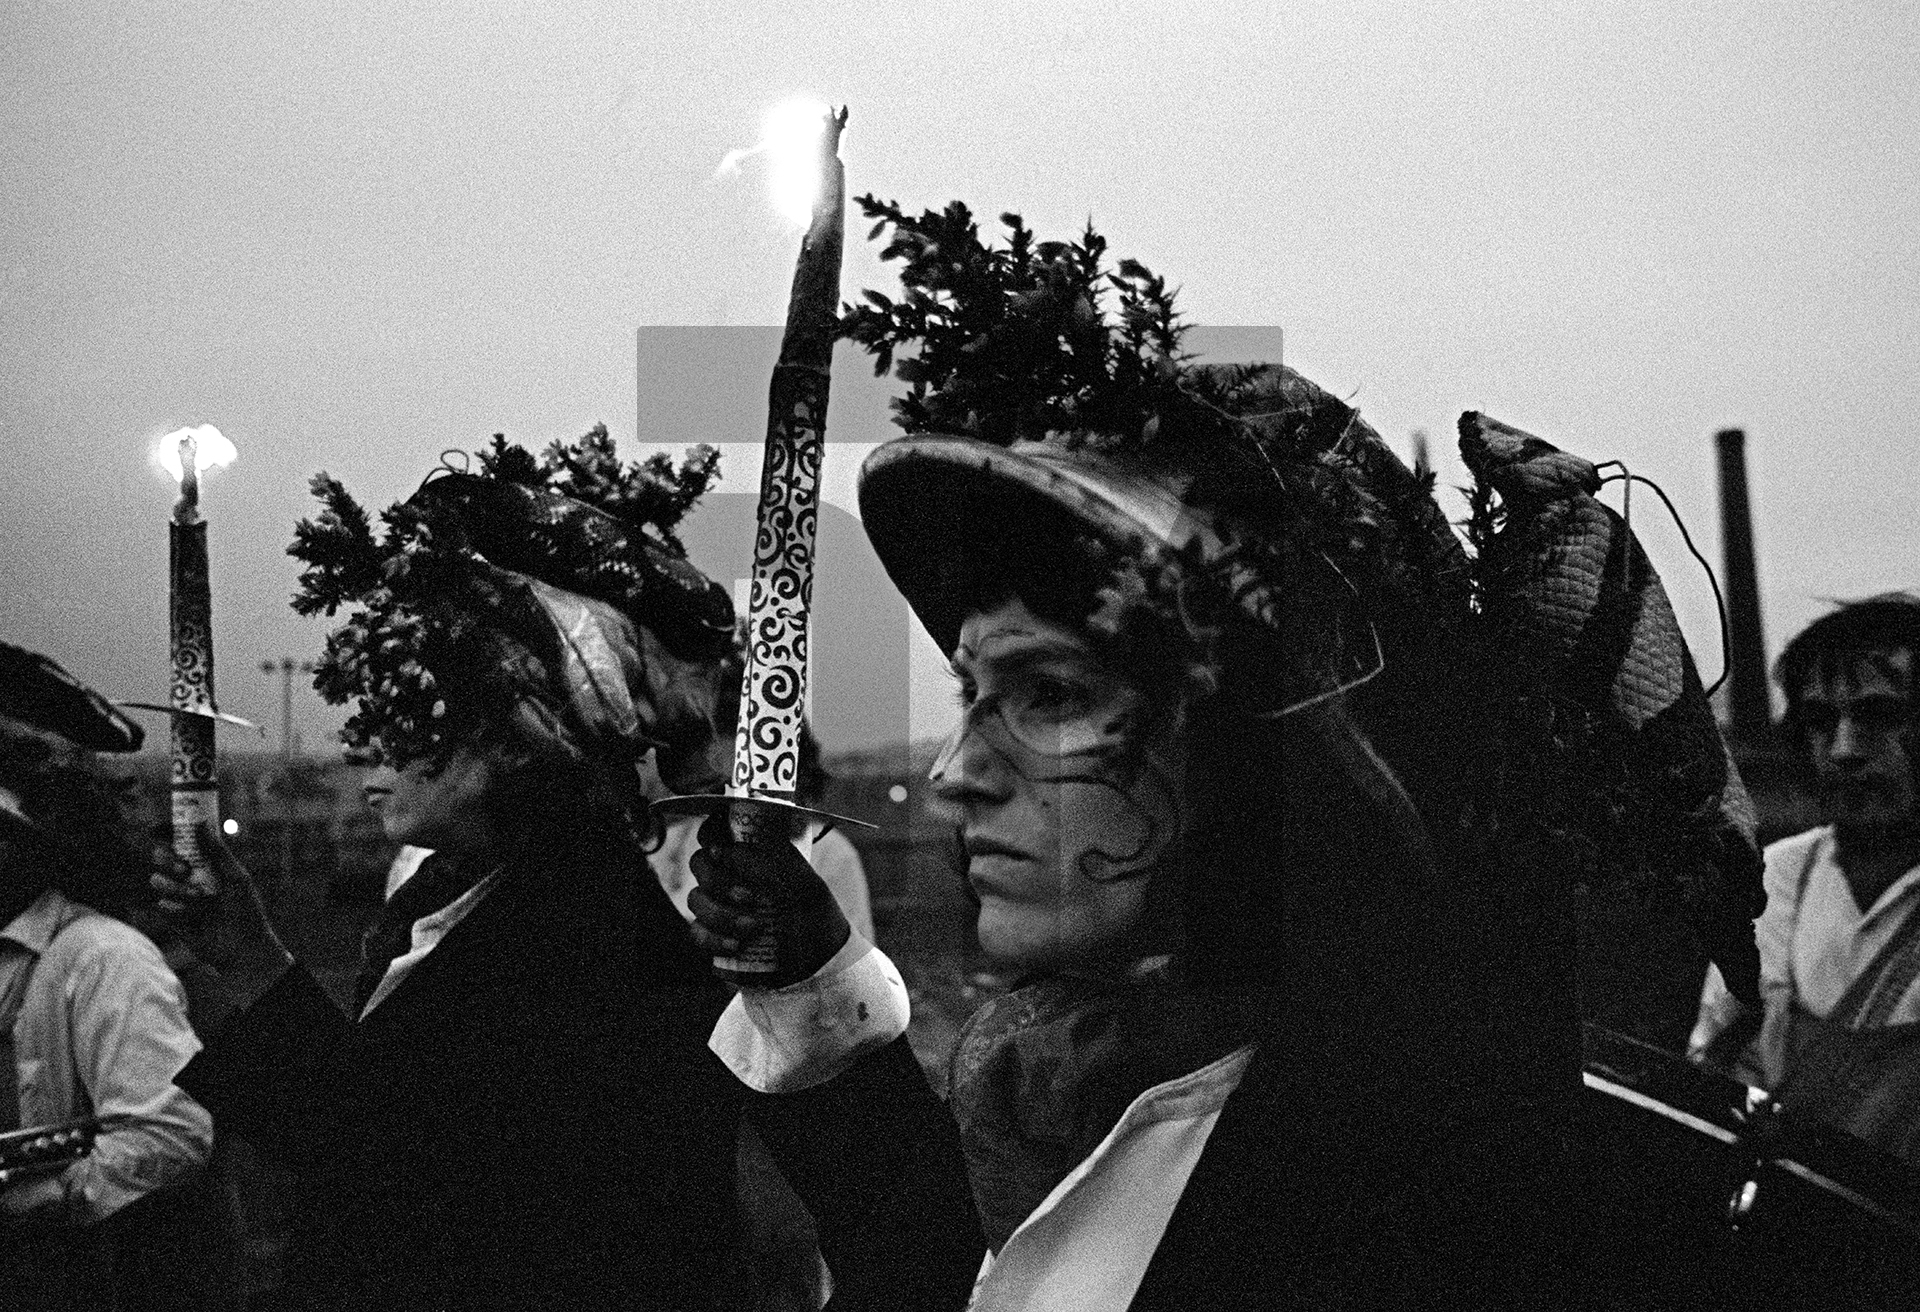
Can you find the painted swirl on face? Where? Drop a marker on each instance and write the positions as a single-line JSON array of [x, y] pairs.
[[1119, 804], [1084, 740]]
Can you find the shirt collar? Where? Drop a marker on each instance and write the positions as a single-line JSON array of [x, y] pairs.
[[1899, 891], [1897, 894], [44, 917], [454, 912]]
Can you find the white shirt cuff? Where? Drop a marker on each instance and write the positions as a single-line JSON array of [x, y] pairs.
[[783, 1040]]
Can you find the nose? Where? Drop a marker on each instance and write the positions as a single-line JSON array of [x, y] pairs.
[[968, 771], [1849, 747]]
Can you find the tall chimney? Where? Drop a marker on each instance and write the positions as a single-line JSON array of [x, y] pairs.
[[1748, 703]]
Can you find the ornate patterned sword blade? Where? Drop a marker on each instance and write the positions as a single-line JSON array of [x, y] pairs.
[[773, 695], [195, 787]]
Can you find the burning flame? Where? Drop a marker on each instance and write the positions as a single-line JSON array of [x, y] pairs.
[[790, 139], [211, 450]]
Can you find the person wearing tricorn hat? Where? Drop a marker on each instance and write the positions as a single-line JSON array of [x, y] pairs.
[[520, 1111], [93, 1024], [1287, 1030]]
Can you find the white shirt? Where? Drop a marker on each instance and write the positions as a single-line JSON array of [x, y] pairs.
[[1819, 941], [1813, 945], [1087, 1246], [780, 1040], [405, 865], [102, 1031]]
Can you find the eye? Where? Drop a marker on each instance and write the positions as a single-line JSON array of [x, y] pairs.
[[962, 689], [1880, 714], [1054, 697]]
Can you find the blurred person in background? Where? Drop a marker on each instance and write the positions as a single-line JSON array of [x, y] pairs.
[[1839, 1032], [93, 1025]]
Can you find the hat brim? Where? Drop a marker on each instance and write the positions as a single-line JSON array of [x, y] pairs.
[[38, 692], [931, 501]]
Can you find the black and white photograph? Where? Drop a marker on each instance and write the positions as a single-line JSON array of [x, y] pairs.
[[959, 657]]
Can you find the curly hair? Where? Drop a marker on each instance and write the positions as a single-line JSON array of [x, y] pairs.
[[89, 847]]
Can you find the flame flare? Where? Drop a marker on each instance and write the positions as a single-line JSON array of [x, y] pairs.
[[790, 141], [211, 450]]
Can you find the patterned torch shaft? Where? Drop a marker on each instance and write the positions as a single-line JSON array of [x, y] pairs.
[[773, 696], [195, 786]]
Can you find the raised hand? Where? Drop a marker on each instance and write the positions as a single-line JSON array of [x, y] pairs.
[[220, 914]]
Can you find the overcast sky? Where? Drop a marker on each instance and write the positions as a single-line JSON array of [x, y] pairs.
[[353, 235]]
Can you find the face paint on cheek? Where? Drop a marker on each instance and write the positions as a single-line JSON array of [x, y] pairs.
[[1119, 803], [1111, 813], [1119, 826]]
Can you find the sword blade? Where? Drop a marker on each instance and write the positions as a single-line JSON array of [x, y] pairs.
[[773, 695], [195, 785]]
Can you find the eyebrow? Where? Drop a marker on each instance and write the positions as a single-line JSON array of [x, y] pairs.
[[1027, 649]]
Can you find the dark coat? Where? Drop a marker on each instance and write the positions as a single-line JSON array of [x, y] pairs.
[[532, 1119], [1305, 1201]]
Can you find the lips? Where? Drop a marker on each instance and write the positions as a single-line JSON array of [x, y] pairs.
[[993, 867], [375, 796], [982, 845]]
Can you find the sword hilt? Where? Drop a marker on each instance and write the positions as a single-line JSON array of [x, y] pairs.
[[757, 821]]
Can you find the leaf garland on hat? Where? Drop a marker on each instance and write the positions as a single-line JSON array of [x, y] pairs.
[[1015, 341], [650, 496], [426, 601], [1050, 341]]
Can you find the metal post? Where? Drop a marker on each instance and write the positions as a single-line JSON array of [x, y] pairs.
[[1749, 705]]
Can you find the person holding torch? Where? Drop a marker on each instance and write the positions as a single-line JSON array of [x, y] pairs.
[[1241, 804], [519, 1109]]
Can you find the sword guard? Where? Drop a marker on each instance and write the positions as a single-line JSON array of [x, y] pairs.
[[196, 712], [757, 806]]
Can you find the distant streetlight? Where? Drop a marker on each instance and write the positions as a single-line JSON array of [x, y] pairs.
[[286, 666]]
